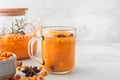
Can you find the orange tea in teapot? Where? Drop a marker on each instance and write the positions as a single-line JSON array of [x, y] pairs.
[[16, 43]]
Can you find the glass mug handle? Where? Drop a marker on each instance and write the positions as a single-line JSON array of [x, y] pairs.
[[30, 50]]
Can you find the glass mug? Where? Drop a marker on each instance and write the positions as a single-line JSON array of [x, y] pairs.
[[58, 49]]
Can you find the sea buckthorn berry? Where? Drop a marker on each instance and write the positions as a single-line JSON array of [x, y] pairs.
[[29, 78], [35, 77], [23, 79], [71, 35], [24, 66], [18, 68], [61, 64], [32, 78], [44, 73], [10, 57], [18, 76], [19, 63], [13, 78], [9, 54], [5, 55], [40, 67], [41, 77]]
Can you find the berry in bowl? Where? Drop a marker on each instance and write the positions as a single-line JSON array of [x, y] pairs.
[[7, 65]]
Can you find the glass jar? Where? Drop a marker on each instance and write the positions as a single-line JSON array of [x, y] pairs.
[[15, 32]]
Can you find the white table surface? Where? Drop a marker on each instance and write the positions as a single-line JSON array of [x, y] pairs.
[[94, 61]]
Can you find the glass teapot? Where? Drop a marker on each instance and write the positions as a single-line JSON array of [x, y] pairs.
[[15, 32]]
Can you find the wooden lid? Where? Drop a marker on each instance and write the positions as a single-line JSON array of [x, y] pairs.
[[12, 11]]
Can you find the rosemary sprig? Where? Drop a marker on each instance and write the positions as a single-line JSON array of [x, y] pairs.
[[18, 26]]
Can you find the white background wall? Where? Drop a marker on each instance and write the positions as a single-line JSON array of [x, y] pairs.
[[95, 20]]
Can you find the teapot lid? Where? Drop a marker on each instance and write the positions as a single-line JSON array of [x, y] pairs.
[[12, 11]]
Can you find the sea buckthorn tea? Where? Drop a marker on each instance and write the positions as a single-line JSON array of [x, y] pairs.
[[58, 49]]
